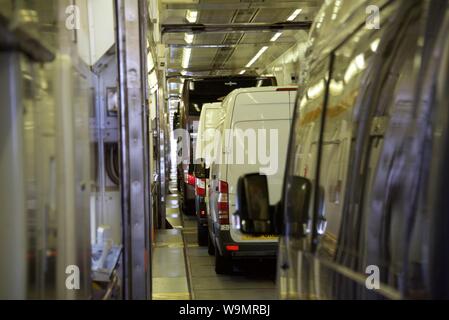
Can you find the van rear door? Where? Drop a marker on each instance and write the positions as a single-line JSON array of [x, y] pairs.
[[260, 126]]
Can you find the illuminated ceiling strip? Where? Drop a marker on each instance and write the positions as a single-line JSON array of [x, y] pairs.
[[294, 15], [186, 57], [188, 38], [276, 36], [192, 16], [257, 56]]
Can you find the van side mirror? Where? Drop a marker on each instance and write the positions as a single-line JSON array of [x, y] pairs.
[[253, 204], [258, 217]]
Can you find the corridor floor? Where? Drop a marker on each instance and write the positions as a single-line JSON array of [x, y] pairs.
[[184, 270]]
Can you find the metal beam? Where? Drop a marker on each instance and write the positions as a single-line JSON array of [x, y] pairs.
[[236, 27], [171, 70], [176, 73], [283, 4], [246, 44], [134, 164]]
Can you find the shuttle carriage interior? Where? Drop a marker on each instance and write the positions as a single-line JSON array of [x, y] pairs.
[[229, 150]]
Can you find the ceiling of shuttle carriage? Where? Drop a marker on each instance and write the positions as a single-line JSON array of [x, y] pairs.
[[228, 53]]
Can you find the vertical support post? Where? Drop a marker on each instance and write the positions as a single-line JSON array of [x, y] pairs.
[[160, 157], [135, 167], [13, 246]]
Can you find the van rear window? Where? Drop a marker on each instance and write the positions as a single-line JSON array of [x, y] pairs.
[[197, 92]]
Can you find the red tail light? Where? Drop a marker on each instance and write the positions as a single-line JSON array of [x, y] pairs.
[[200, 187], [232, 248], [223, 203], [190, 180], [223, 187]]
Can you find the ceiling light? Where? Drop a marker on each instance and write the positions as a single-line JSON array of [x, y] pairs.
[[276, 36], [294, 15], [189, 38], [261, 51], [192, 16], [186, 57], [242, 72], [375, 45], [320, 20], [360, 61]]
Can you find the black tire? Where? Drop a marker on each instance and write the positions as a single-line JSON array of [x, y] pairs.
[[223, 265], [203, 233], [210, 245]]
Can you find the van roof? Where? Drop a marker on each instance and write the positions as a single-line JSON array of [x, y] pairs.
[[212, 105], [260, 89]]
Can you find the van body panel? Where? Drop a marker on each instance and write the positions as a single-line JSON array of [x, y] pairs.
[[360, 137], [210, 116], [253, 109], [235, 171]]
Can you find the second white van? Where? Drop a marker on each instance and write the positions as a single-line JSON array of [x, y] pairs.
[[211, 114]]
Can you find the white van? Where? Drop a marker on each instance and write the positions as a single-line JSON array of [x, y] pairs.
[[211, 114], [253, 138]]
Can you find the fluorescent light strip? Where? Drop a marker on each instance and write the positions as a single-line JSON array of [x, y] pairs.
[[294, 15], [261, 51], [242, 72], [189, 38], [186, 57], [276, 36], [192, 16]]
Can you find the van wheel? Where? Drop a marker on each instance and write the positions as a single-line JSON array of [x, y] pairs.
[[210, 245], [223, 265], [202, 235]]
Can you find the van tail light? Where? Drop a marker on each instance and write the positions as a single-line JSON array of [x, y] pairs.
[[232, 248], [190, 179], [223, 203], [200, 187]]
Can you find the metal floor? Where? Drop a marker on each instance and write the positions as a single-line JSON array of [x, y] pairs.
[[184, 270]]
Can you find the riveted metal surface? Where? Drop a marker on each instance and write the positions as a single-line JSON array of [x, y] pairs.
[[134, 161]]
